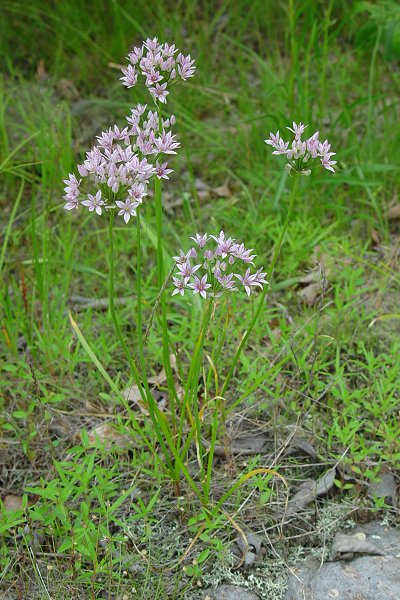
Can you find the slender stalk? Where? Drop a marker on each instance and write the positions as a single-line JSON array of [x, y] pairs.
[[215, 425], [219, 342], [134, 370], [194, 364], [159, 215], [173, 398], [161, 427], [158, 207], [139, 313], [192, 398], [266, 288], [190, 404], [192, 378]]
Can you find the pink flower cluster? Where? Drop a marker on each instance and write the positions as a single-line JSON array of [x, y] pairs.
[[303, 155], [213, 270], [160, 65], [118, 168]]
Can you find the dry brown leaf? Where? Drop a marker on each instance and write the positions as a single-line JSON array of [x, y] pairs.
[[393, 212], [309, 277], [320, 259], [385, 487], [310, 490], [108, 435], [251, 550], [322, 269], [299, 445], [200, 185], [375, 237], [326, 482], [345, 547], [133, 396], [244, 445], [222, 191], [41, 73], [310, 293], [160, 379], [202, 189], [303, 497], [250, 444], [93, 407], [66, 89], [161, 397], [171, 202], [12, 503], [316, 280]]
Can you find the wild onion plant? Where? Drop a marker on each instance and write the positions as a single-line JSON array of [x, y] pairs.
[[113, 181]]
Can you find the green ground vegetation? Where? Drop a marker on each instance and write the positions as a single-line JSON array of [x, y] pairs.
[[323, 362]]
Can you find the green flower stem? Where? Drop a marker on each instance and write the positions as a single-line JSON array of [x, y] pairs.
[[173, 398], [195, 363], [139, 314], [134, 370], [264, 294], [214, 429], [219, 340], [161, 427], [190, 401], [158, 206]]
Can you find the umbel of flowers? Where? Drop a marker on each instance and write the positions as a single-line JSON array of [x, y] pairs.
[[161, 66], [218, 265], [117, 170], [303, 155]]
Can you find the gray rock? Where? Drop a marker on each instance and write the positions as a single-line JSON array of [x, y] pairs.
[[362, 578], [229, 592], [383, 537]]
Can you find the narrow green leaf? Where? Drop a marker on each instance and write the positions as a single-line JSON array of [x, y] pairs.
[[67, 545], [10, 224], [92, 356]]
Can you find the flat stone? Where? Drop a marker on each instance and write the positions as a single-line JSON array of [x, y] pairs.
[[364, 577], [229, 592]]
